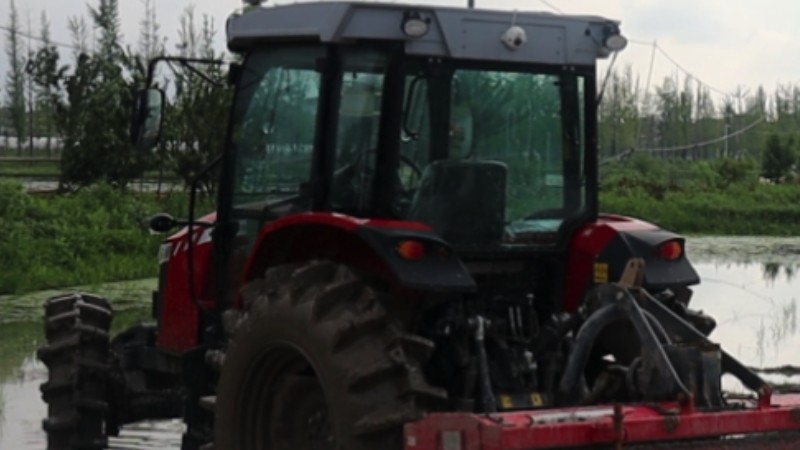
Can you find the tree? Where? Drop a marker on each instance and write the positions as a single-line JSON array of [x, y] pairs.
[[46, 74], [31, 95], [707, 125], [98, 92], [45, 89], [151, 43], [106, 20], [195, 130], [619, 114], [778, 159], [15, 78], [79, 31]]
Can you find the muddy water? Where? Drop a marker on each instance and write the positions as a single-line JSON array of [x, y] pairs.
[[750, 285], [21, 408]]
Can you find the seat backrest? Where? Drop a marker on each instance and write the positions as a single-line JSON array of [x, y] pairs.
[[463, 201]]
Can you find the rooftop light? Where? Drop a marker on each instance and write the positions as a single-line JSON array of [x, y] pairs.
[[613, 40], [414, 25]]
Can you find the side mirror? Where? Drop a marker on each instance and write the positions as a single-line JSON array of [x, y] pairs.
[[161, 223], [148, 117]]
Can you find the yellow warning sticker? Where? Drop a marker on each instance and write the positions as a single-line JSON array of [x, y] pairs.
[[600, 272], [506, 401], [536, 399]]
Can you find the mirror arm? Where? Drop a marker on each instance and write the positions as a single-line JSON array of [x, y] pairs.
[[151, 67], [200, 74]]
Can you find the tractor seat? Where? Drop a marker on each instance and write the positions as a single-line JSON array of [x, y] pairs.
[[463, 201]]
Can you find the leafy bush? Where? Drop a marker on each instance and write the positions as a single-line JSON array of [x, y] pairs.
[[733, 171], [92, 236], [721, 196], [739, 210], [778, 159]]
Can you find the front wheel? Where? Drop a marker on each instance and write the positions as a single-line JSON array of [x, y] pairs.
[[315, 362], [77, 357]]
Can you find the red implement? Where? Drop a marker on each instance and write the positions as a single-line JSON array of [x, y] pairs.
[[609, 426]]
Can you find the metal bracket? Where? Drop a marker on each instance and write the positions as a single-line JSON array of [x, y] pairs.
[[633, 275]]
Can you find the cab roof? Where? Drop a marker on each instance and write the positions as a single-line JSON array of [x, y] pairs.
[[461, 33]]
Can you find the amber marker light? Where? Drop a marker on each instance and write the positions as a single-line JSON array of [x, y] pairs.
[[411, 250], [671, 250]]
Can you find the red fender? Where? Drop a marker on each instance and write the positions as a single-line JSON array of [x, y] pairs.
[[586, 244], [366, 244]]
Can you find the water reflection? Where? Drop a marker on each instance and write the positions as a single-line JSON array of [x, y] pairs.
[[748, 250], [21, 407], [17, 343], [750, 286], [773, 270], [24, 411]]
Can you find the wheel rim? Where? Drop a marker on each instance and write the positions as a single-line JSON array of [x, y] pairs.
[[281, 405]]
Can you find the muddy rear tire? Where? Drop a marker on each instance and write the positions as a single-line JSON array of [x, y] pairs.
[[77, 357], [315, 362]]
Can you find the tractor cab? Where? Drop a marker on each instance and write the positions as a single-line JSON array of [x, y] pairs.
[[479, 124], [376, 135]]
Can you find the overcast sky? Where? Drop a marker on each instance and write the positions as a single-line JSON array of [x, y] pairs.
[[724, 43]]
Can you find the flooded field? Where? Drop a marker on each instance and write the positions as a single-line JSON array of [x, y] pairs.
[[21, 408], [750, 285]]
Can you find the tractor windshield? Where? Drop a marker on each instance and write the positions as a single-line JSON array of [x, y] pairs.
[[483, 153]]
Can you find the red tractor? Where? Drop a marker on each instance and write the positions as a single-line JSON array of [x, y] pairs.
[[407, 253]]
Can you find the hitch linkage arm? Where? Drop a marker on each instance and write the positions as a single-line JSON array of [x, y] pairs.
[[684, 331], [656, 327], [658, 372]]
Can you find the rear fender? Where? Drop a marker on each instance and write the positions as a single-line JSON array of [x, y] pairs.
[[659, 273], [600, 250], [367, 245]]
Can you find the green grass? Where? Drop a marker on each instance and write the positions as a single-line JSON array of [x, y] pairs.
[[772, 210], [721, 197], [93, 236], [48, 169], [25, 152], [37, 167]]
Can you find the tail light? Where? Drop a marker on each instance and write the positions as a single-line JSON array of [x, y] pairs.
[[410, 250], [671, 250]]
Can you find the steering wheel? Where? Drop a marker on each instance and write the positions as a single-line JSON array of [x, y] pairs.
[[349, 181]]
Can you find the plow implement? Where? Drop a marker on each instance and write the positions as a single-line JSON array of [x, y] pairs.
[[769, 423], [676, 361]]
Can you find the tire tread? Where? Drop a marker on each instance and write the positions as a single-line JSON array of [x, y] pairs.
[[77, 356], [380, 363]]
